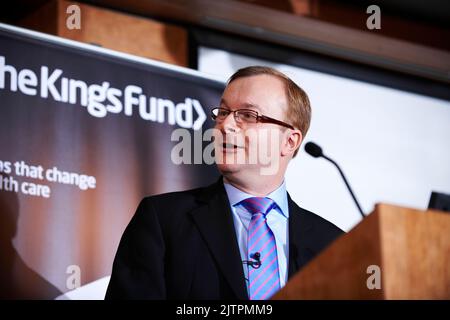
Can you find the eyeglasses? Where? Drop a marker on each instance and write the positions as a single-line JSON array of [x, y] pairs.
[[245, 116]]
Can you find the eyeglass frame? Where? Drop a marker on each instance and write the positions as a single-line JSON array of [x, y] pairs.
[[259, 118]]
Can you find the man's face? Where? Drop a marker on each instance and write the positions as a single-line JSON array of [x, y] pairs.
[[248, 147]]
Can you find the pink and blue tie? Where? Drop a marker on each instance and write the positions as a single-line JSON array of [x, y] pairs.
[[265, 280]]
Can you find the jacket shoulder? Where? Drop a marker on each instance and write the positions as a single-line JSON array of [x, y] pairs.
[[173, 200], [175, 205], [309, 220], [318, 221]]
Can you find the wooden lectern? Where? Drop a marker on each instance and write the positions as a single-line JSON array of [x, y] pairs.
[[410, 247]]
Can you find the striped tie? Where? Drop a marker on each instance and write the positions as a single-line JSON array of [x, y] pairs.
[[265, 280]]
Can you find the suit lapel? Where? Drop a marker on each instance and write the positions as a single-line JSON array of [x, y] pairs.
[[299, 229], [215, 222]]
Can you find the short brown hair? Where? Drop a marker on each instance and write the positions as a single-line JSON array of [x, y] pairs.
[[299, 108]]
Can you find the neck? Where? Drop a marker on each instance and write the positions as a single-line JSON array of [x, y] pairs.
[[259, 189]]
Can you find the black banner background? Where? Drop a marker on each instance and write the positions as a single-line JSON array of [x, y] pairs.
[[129, 157]]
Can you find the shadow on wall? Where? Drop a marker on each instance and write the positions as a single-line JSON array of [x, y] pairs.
[[17, 280]]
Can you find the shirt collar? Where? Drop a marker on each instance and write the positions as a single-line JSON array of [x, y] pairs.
[[279, 196]]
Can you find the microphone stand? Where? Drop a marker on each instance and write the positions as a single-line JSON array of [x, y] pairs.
[[346, 183]]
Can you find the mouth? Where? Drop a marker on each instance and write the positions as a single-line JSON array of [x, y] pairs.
[[230, 147]]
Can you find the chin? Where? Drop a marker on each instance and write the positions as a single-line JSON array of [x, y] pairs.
[[229, 168]]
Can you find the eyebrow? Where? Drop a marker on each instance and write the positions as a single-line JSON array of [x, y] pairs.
[[244, 105]]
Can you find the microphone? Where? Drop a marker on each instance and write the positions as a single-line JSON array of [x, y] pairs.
[[254, 264], [314, 150]]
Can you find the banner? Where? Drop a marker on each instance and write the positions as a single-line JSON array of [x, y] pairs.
[[85, 134]]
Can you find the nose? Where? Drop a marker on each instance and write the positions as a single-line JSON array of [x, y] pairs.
[[228, 124]]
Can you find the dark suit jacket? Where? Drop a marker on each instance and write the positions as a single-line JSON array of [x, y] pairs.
[[183, 245]]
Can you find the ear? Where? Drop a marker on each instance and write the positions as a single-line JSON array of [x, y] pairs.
[[291, 142]]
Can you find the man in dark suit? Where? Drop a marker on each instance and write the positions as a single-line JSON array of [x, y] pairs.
[[242, 237]]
